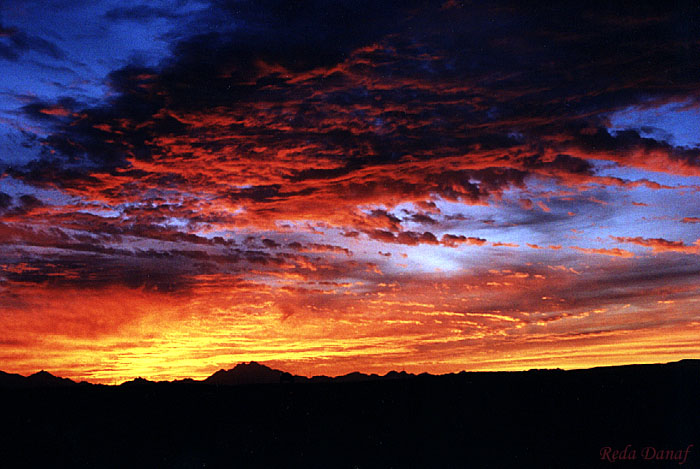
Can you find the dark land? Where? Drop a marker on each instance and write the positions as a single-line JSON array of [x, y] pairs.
[[253, 416]]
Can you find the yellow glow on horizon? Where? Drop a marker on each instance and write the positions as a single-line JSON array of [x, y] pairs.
[[117, 334]]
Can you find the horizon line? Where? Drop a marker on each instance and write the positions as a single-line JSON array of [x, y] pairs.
[[202, 380]]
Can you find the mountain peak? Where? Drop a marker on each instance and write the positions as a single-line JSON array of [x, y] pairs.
[[138, 382], [251, 366], [245, 373], [44, 378]]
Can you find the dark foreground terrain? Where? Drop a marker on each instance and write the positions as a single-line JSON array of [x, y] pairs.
[[543, 419]]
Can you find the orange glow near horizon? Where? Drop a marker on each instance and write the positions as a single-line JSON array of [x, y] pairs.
[[135, 333]]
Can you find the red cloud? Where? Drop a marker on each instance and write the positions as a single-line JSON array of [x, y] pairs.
[[455, 240], [660, 244], [56, 111], [616, 252]]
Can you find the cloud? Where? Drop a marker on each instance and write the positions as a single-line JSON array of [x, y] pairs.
[[321, 248], [333, 87], [14, 43], [410, 238], [450, 240], [630, 149], [338, 115], [421, 218], [139, 13], [616, 252], [26, 204], [543, 206], [660, 244], [501, 244], [40, 110], [5, 201]]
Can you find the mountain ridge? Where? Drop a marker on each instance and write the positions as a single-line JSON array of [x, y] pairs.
[[256, 373], [40, 379], [547, 418]]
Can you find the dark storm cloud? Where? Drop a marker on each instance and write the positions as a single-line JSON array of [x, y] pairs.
[[342, 110], [630, 141], [7, 32], [5, 201], [86, 271], [421, 218], [29, 202], [43, 111], [563, 163], [82, 261], [298, 35], [318, 248], [140, 13], [525, 74], [24, 205], [645, 277], [14, 43]]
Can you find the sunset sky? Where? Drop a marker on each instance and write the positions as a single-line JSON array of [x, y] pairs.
[[332, 186]]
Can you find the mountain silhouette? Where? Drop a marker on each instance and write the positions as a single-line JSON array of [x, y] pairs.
[[12, 380], [355, 377], [246, 373], [41, 379], [241, 374], [398, 375], [249, 416], [46, 379], [257, 373], [137, 382]]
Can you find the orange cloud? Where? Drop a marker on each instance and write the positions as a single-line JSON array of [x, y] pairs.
[[616, 252], [660, 244]]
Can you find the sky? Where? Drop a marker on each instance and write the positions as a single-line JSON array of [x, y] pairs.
[[337, 186]]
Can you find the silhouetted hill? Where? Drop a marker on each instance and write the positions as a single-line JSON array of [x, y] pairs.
[[398, 375], [41, 379], [138, 382], [355, 377], [185, 381], [46, 379], [12, 380], [245, 373], [537, 418], [256, 373]]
